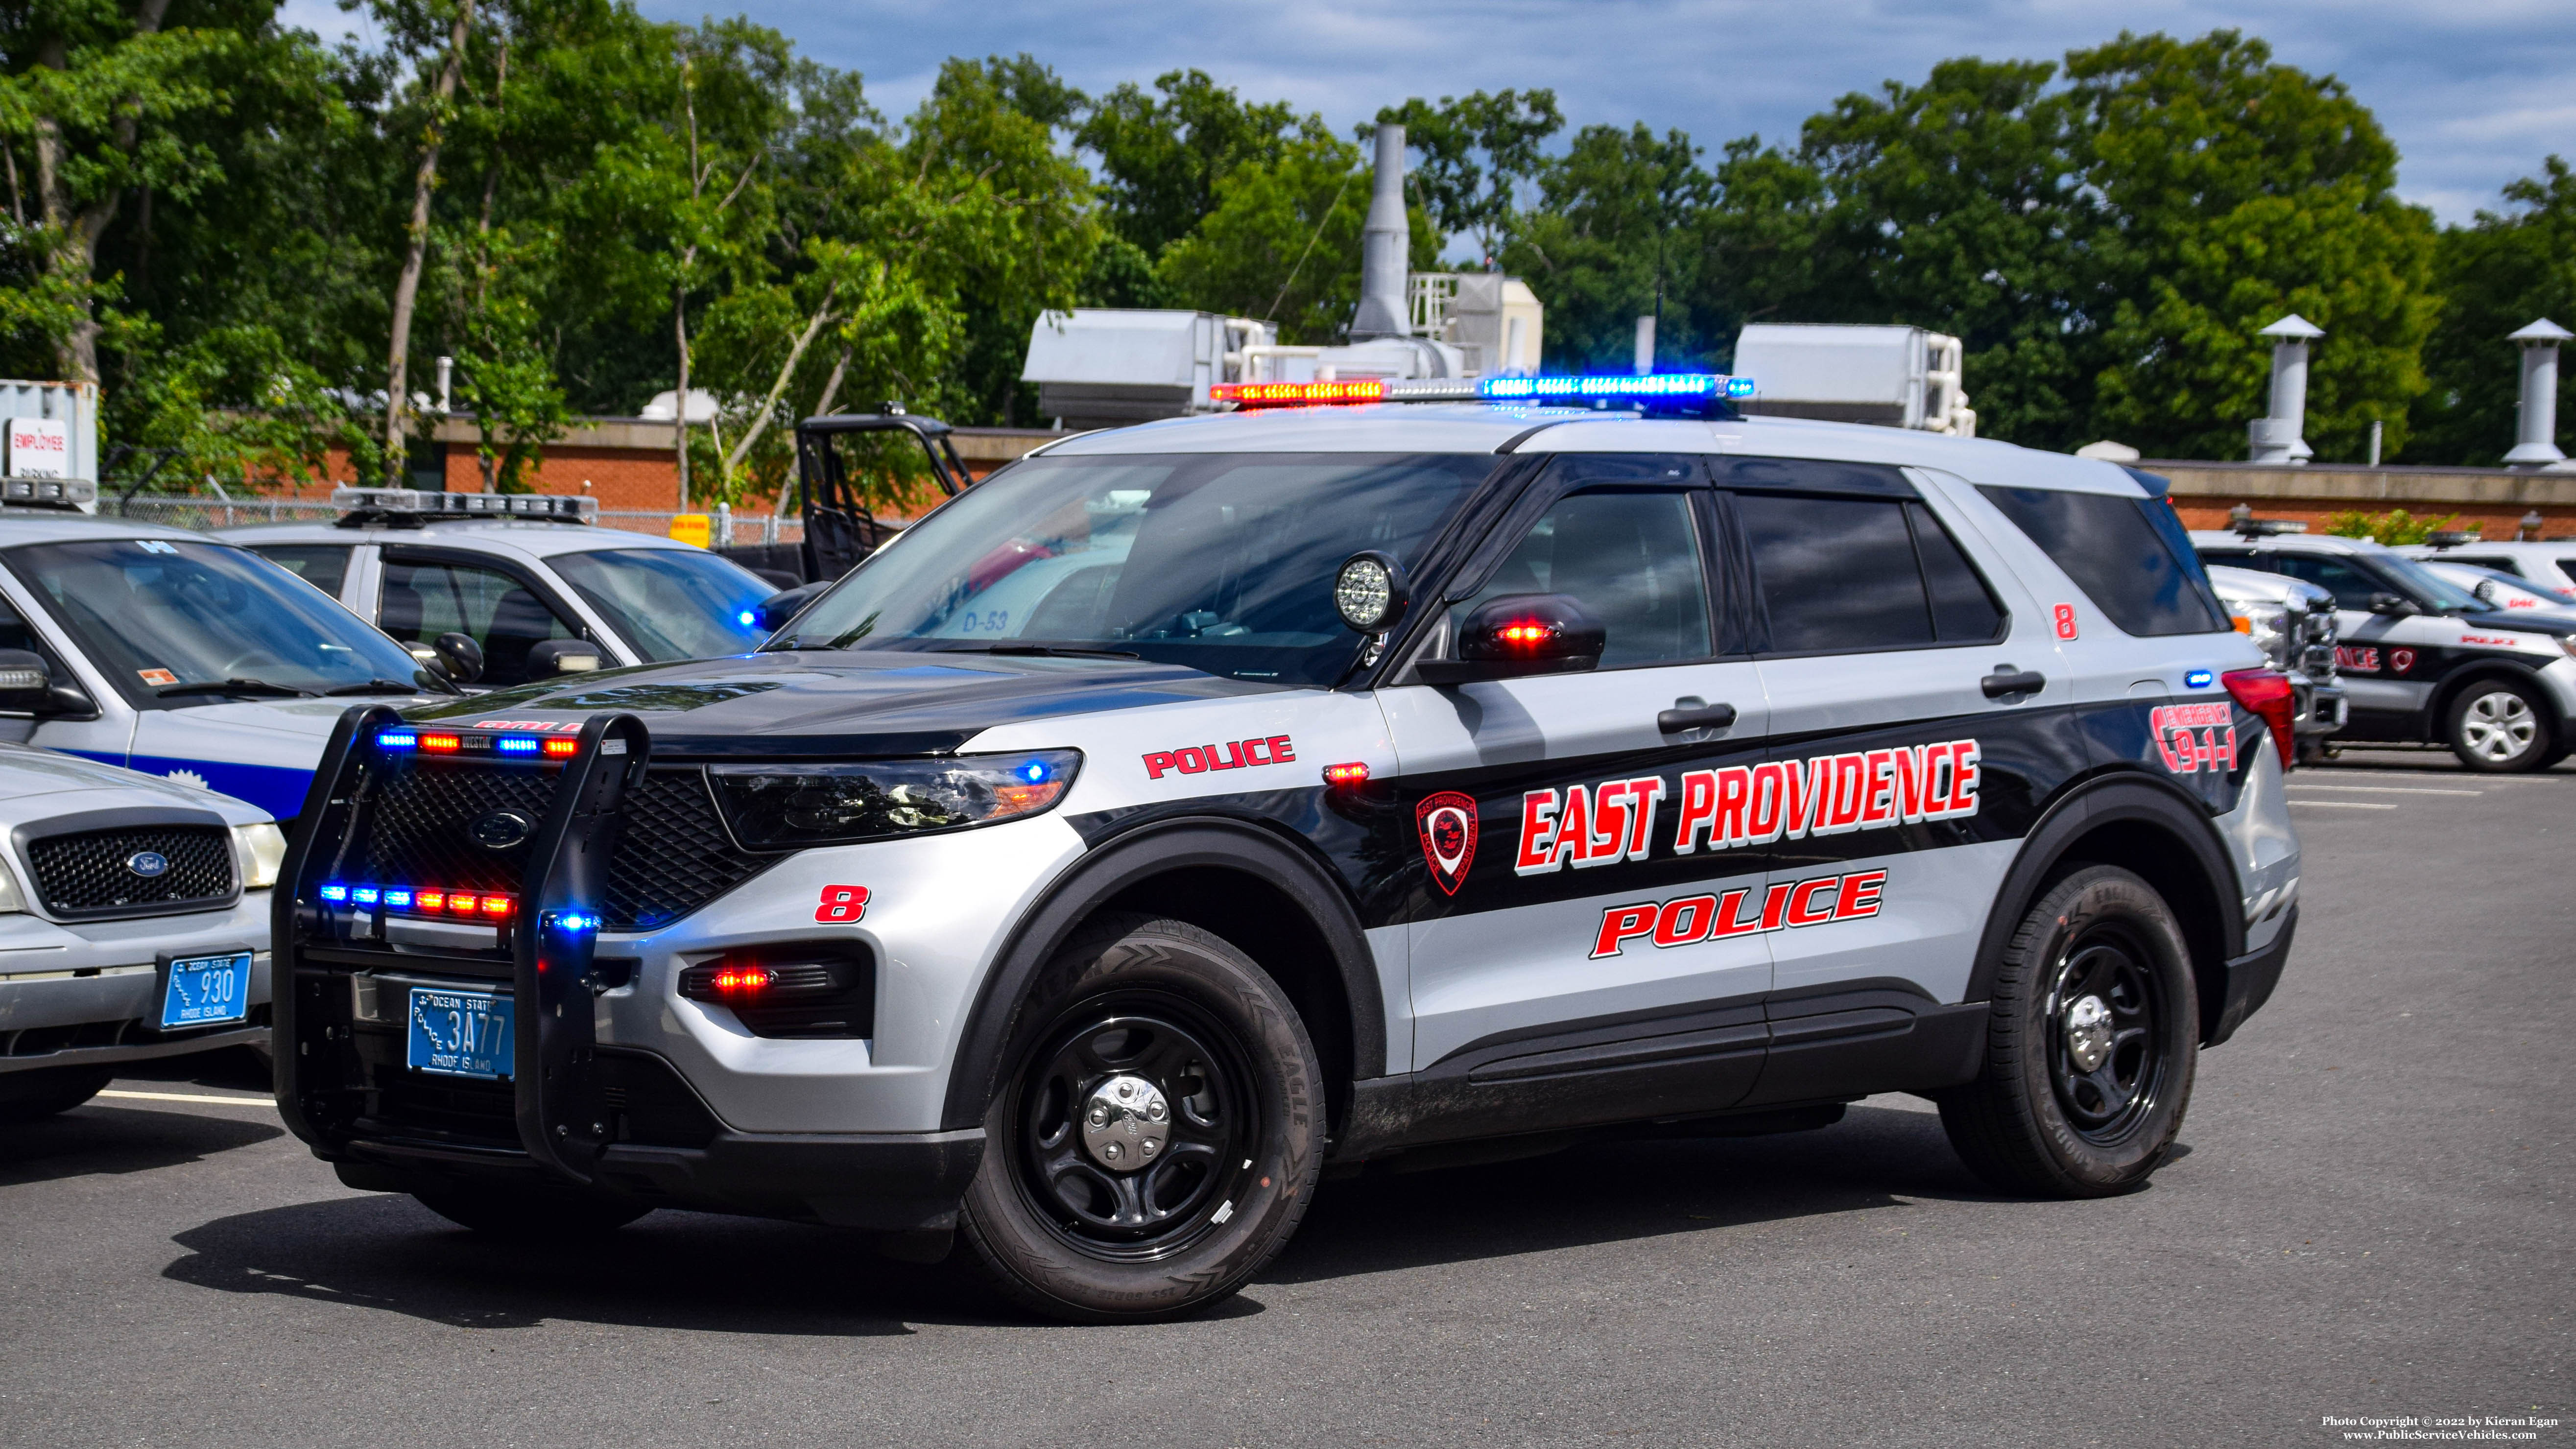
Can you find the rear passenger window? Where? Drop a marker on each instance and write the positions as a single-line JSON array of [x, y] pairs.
[[2119, 555], [2567, 566], [1856, 573]]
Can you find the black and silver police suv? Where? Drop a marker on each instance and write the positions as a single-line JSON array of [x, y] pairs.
[[1189, 808]]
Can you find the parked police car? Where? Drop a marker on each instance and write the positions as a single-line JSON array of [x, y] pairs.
[[2500, 590], [1188, 806], [2551, 565], [523, 576], [2423, 660], [133, 919], [173, 654]]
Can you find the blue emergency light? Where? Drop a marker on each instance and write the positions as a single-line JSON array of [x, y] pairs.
[[1617, 385]]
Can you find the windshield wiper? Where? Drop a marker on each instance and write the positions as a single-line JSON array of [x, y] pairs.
[[1047, 651], [235, 686], [375, 686]]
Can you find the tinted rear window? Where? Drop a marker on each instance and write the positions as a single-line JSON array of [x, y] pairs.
[[2126, 560]]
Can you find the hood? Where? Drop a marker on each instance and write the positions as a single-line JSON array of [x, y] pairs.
[[816, 704], [291, 719], [27, 773], [2519, 621]]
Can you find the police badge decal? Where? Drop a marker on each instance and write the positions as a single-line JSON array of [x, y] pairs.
[[1448, 825]]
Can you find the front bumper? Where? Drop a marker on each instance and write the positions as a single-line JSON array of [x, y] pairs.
[[2321, 709], [87, 994]]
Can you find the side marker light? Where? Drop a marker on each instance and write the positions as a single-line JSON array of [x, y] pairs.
[[1344, 776]]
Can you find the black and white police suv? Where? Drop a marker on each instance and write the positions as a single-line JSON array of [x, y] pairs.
[[2422, 659], [1188, 808]]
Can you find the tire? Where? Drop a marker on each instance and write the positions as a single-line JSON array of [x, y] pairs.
[[33, 1096], [529, 1214], [1055, 1219], [2039, 1120], [2500, 726]]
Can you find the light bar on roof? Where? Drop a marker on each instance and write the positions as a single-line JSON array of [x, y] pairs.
[[1618, 385], [1299, 394], [414, 503]]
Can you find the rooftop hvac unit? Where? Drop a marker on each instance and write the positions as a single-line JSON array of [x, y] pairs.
[[1898, 377], [1103, 367]]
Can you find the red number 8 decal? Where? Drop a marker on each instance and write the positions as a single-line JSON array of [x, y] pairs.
[[842, 904]]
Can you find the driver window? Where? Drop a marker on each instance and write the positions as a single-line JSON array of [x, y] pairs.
[[424, 600], [1631, 558]]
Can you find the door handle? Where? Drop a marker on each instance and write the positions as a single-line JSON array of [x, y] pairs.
[[1695, 717], [2008, 680]]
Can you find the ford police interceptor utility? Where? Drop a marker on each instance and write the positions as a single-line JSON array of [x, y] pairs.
[[2421, 659], [1188, 807], [526, 577], [169, 653]]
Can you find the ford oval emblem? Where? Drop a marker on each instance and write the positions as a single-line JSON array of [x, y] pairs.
[[147, 863], [502, 829]]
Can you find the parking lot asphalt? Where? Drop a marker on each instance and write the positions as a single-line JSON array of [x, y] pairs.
[[2371, 1216]]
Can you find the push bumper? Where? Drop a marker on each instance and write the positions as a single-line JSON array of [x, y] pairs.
[[2250, 980], [2321, 709]]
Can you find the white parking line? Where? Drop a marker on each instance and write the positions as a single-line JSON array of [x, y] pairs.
[[2343, 804], [185, 1097], [2383, 789]]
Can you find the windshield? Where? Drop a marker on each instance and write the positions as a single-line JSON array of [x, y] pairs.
[[670, 603], [159, 616], [2431, 589], [1221, 562]]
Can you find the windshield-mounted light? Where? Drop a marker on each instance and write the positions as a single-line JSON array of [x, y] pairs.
[[790, 807]]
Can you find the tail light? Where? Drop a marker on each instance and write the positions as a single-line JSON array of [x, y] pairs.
[[2267, 692]]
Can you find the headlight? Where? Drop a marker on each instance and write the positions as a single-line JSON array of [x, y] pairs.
[[11, 901], [2268, 626], [774, 807], [258, 850]]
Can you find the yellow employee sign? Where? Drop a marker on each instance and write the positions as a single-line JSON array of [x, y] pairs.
[[691, 528]]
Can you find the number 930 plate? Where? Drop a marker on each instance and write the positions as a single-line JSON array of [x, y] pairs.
[[206, 990], [460, 1033]]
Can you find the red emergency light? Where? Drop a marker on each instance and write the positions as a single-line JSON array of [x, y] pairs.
[[1299, 394]]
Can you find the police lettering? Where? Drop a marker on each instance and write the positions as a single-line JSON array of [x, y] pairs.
[[1688, 920], [1233, 755]]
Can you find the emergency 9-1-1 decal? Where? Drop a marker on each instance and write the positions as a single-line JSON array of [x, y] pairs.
[[1744, 805], [2195, 737]]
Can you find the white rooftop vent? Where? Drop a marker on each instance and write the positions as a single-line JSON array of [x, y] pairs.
[[1901, 377]]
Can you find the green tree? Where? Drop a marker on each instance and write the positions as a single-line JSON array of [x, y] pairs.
[[1161, 160], [1479, 155], [2504, 270], [2235, 190], [1613, 239]]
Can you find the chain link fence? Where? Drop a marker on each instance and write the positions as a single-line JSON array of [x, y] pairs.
[[205, 515]]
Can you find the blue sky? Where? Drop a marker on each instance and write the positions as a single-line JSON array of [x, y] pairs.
[[2475, 92]]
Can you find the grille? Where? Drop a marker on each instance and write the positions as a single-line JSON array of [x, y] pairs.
[[672, 857], [86, 874]]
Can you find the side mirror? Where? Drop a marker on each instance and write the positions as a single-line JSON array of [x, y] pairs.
[[1369, 592], [1519, 635], [460, 656], [2390, 606], [561, 656], [26, 682], [773, 612]]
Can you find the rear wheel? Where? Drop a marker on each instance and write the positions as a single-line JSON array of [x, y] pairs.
[[1157, 1139], [527, 1213], [2091, 1047], [2499, 726], [28, 1096]]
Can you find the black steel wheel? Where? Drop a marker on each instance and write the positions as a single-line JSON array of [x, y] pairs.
[[1158, 1137], [2091, 1046]]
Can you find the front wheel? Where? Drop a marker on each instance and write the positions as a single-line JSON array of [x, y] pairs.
[[2499, 727], [30, 1096], [1157, 1139], [2091, 1046]]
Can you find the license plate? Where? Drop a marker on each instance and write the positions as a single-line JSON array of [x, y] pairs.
[[206, 991], [460, 1033]]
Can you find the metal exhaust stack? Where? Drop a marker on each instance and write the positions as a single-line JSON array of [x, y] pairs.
[[2536, 445], [1386, 244]]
